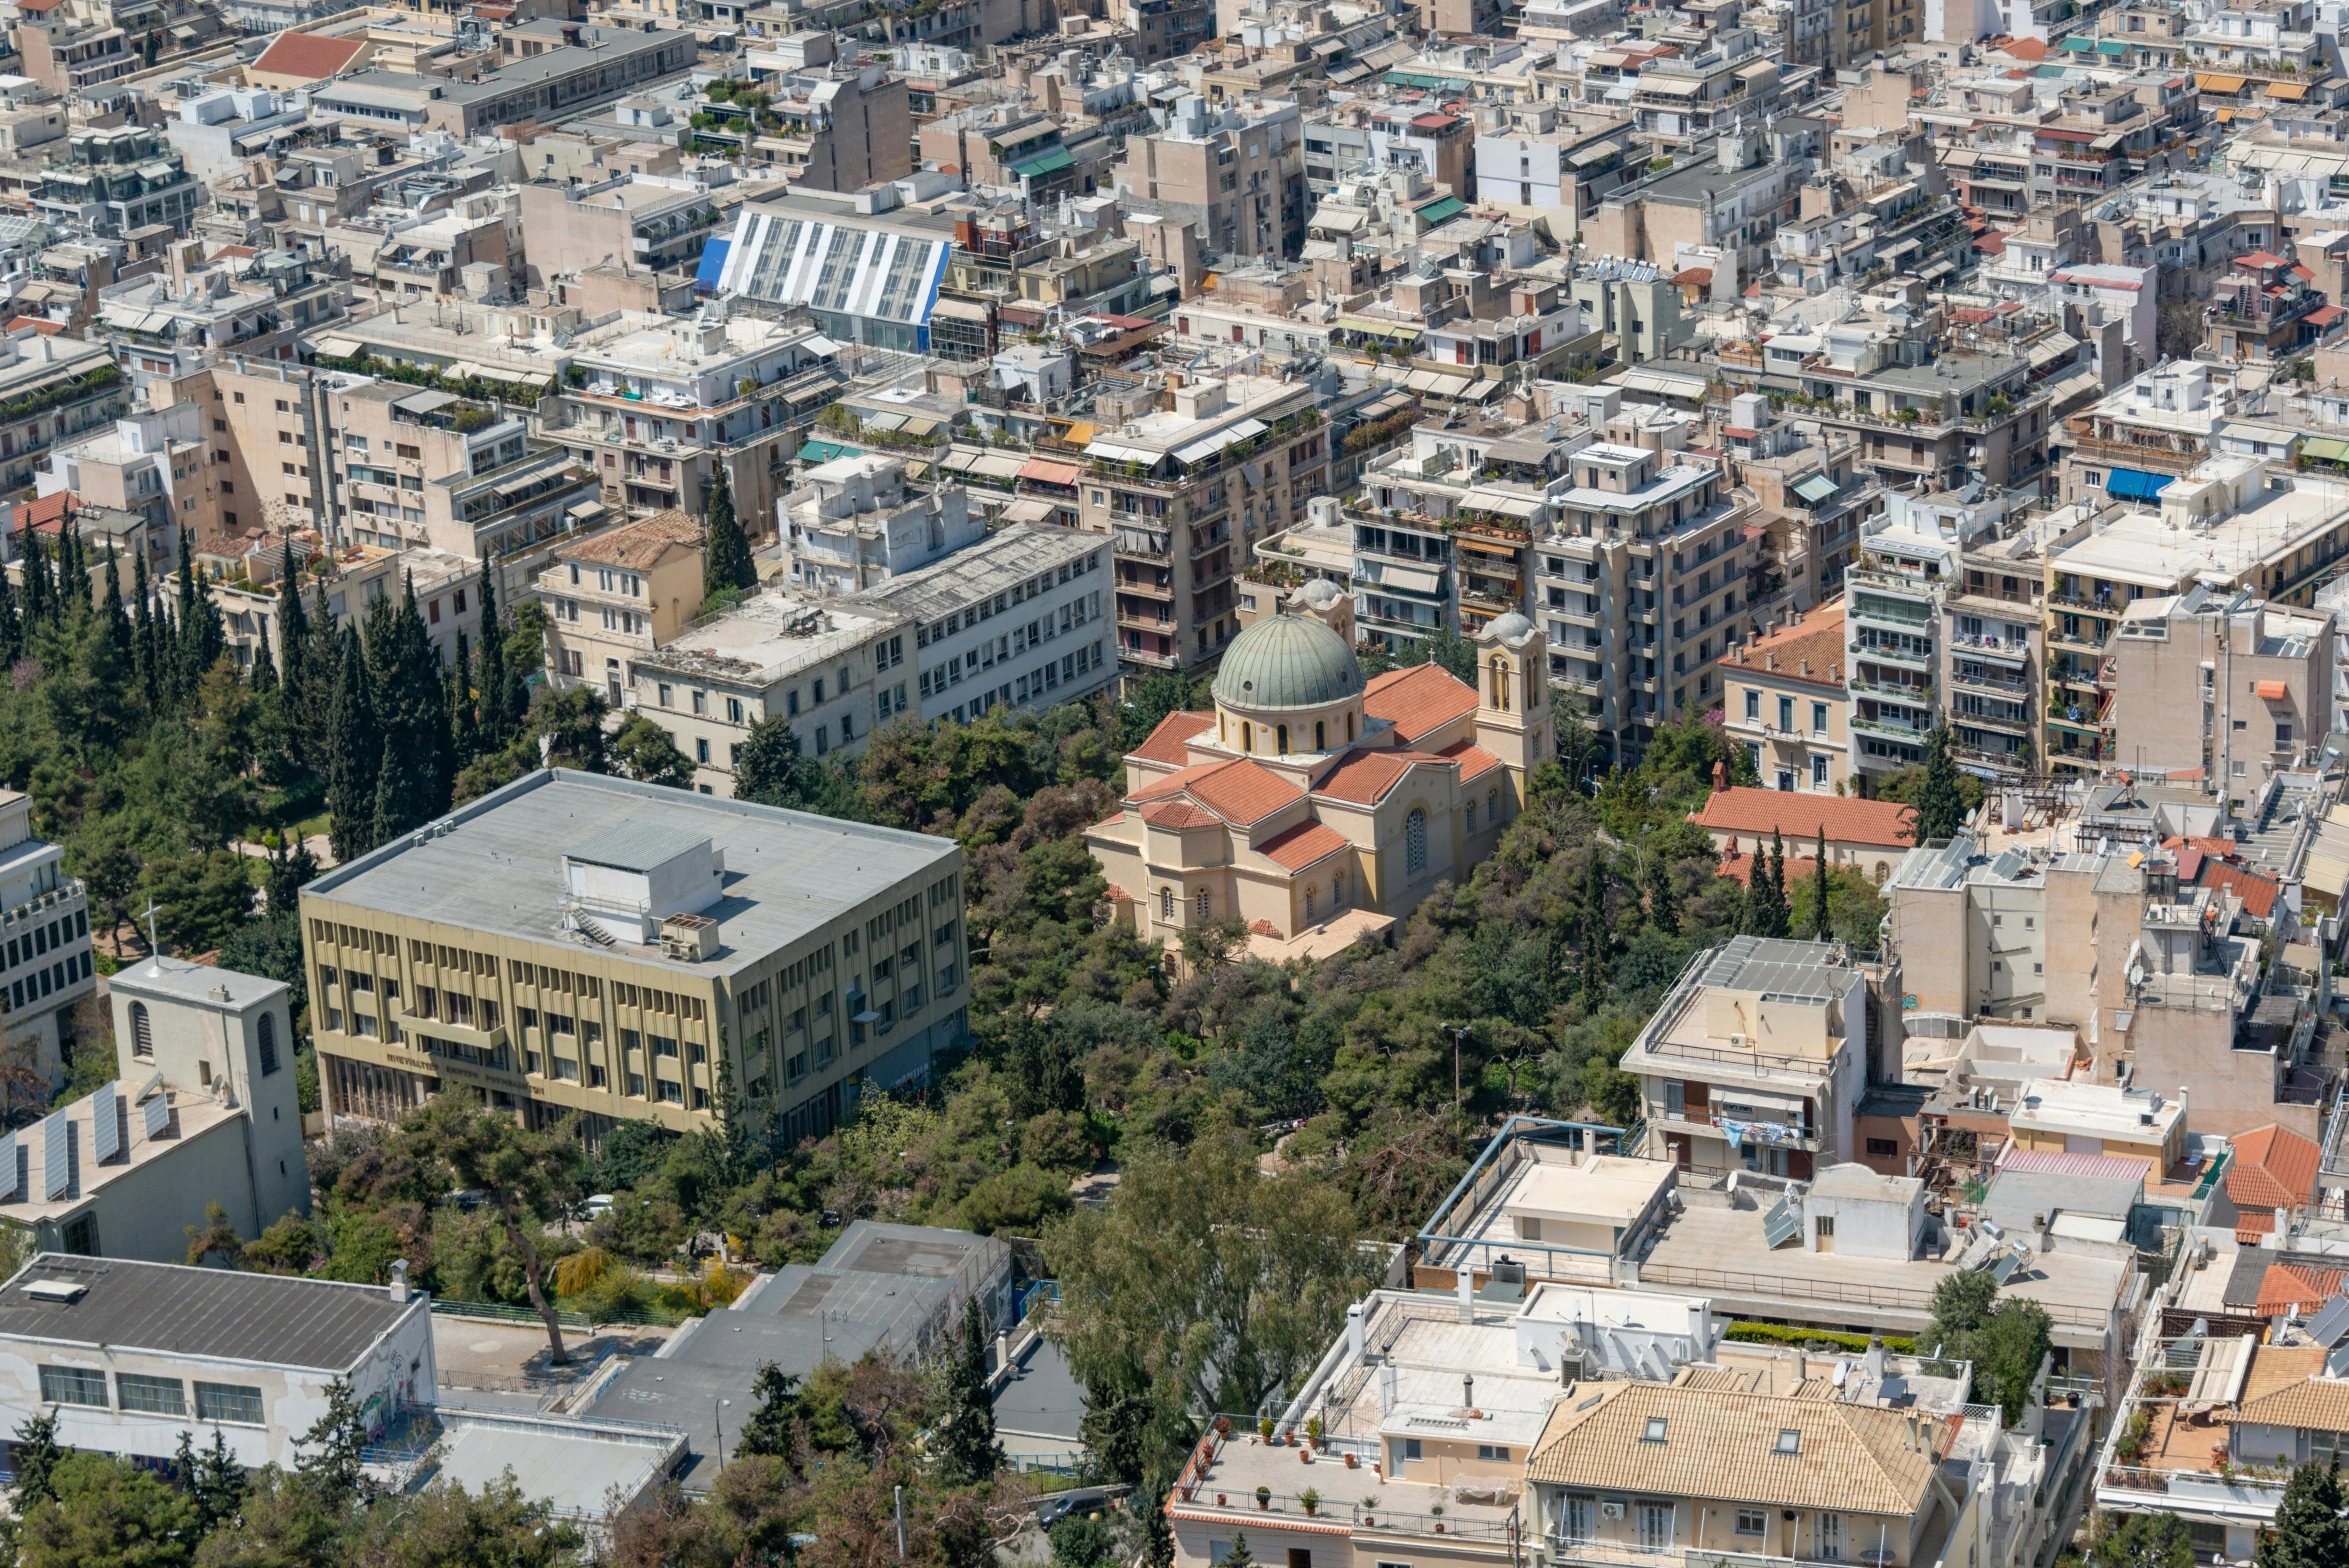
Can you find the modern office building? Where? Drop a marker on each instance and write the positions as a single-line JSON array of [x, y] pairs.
[[45, 926], [577, 943]]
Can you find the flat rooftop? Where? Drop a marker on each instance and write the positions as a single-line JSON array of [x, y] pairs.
[[577, 1465], [2139, 547], [1605, 1188], [167, 1309], [996, 564], [2097, 1109], [767, 637], [497, 865], [192, 1116]]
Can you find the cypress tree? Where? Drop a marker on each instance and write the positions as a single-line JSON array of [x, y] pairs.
[[1820, 924], [114, 624], [725, 561], [353, 755], [293, 641], [967, 1440], [143, 667], [321, 657], [496, 723], [1767, 889], [203, 637], [463, 741], [1940, 804], [1663, 898], [73, 577], [35, 569], [264, 667]]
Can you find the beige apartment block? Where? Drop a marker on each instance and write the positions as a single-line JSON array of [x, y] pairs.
[[247, 588], [1233, 171], [847, 122], [580, 944], [1785, 702], [619, 594], [649, 222], [52, 388], [2218, 684], [155, 464]]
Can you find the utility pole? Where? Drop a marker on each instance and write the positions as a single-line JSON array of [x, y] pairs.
[[1459, 1032]]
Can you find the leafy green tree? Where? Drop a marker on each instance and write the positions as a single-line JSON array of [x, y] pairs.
[[2146, 1541], [767, 1431], [966, 1434], [644, 751], [201, 899], [216, 1238], [106, 1513], [331, 1463], [1940, 802], [2309, 1530], [1149, 701], [726, 561], [530, 1178]]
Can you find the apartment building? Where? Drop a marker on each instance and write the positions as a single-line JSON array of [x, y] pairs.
[[646, 222], [1163, 29], [1757, 1058], [594, 943], [846, 122], [578, 66], [66, 50], [2146, 433], [1785, 702], [118, 179], [1187, 491], [52, 388], [247, 589], [666, 402], [833, 670], [1235, 172], [154, 463], [2217, 684], [1019, 620], [2265, 311], [1533, 158], [1994, 647], [854, 522], [194, 313], [46, 935], [1642, 582], [617, 594]]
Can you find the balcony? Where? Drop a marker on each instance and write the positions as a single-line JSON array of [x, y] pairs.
[[1880, 612], [1906, 658], [1916, 734], [1564, 1553], [1990, 680], [2006, 723]]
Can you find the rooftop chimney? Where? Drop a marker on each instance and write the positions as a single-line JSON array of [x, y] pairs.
[[398, 1289]]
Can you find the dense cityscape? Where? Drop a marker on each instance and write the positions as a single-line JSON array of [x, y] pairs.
[[1174, 783]]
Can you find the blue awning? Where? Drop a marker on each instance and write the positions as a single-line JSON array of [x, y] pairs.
[[2134, 484], [713, 262]]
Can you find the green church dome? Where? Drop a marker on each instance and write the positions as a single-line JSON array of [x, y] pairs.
[[1287, 661]]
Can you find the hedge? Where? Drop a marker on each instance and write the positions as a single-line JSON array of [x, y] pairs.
[[1780, 1334]]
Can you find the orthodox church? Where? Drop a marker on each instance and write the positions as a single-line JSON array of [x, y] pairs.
[[1316, 806]]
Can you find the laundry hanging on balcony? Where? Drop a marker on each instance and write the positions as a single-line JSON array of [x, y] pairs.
[[1760, 1132]]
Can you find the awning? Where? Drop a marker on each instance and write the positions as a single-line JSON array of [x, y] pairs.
[[1501, 501], [1407, 579], [2111, 46], [2270, 691], [922, 427], [2134, 484], [825, 451], [1380, 329], [1053, 162], [1815, 489], [1030, 510], [1050, 473], [1585, 157], [337, 348], [2290, 92], [2219, 84], [1436, 212], [959, 309], [1423, 380], [2323, 450], [2078, 44], [1207, 446], [712, 264], [996, 465], [1115, 453], [884, 421]]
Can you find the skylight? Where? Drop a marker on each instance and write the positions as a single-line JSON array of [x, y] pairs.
[[1790, 1440], [1655, 1431]]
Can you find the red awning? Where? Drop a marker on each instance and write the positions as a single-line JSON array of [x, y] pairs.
[[2270, 691], [1050, 473]]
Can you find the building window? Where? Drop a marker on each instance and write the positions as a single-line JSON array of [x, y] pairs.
[[74, 1386], [1882, 1148], [1166, 903], [1206, 902], [267, 1041], [152, 1396], [143, 1032], [228, 1402], [1415, 843]]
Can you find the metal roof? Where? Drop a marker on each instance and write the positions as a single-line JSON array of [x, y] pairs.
[[633, 844], [266, 1319]]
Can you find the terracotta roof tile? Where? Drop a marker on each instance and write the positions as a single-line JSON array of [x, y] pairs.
[[2296, 1287], [1295, 848], [1239, 791], [1799, 816], [46, 513], [2257, 892], [639, 545], [1417, 700], [308, 54], [47, 329], [1738, 866], [2273, 1169], [1816, 641], [1170, 741], [1475, 762], [1178, 814], [1364, 777], [1724, 1443], [2318, 1402]]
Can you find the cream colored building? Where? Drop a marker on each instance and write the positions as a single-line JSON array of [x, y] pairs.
[[152, 463], [615, 595], [2218, 682], [1786, 703], [1314, 806], [578, 943]]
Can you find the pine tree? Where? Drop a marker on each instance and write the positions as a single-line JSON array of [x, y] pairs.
[[2309, 1531], [332, 1466], [768, 1430], [353, 755], [1940, 803], [1239, 1556], [726, 561], [37, 1455], [497, 725], [143, 668], [967, 1435], [1820, 924]]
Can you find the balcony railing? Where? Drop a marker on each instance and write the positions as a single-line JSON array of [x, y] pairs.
[[68, 893], [1566, 1553]]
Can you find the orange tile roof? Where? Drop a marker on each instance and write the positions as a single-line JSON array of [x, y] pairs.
[[1738, 866], [638, 545], [308, 54], [1799, 816], [1169, 743], [47, 329], [46, 513], [1364, 777], [2296, 1287], [1239, 791], [1475, 762], [1178, 814], [1815, 642], [2273, 1169], [2030, 49], [1293, 849], [2257, 892], [1418, 699]]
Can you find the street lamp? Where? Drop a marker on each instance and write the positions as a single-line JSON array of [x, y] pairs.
[[717, 1413], [1459, 1032]]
